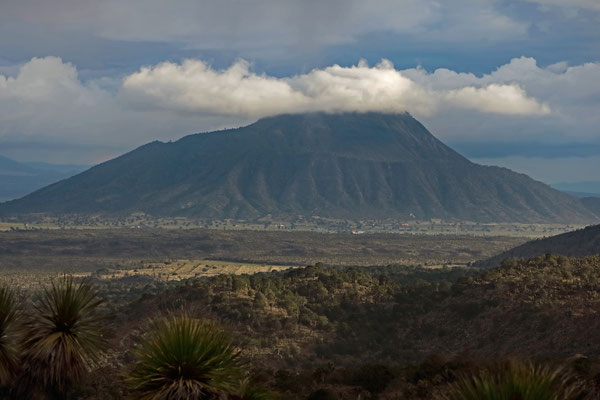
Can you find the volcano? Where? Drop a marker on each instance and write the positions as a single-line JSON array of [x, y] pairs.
[[350, 165]]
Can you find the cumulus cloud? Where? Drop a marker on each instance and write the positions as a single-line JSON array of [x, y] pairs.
[[46, 105], [46, 95], [47, 102], [569, 92], [497, 98], [193, 86]]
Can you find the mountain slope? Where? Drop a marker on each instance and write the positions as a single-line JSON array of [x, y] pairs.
[[592, 203], [579, 243], [345, 166], [18, 179]]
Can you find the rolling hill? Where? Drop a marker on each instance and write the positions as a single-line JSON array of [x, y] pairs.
[[579, 243], [579, 189], [19, 179], [350, 165]]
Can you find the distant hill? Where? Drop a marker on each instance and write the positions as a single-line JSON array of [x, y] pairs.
[[67, 169], [579, 243], [19, 179], [351, 165], [579, 189], [580, 194]]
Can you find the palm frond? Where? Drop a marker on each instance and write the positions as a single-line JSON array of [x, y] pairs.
[[62, 336], [184, 358]]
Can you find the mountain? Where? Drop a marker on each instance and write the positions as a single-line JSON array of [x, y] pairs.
[[352, 165], [579, 243], [592, 203], [18, 179]]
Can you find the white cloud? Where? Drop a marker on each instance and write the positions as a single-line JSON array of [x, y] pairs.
[[195, 87], [46, 95], [570, 92], [46, 102], [497, 98]]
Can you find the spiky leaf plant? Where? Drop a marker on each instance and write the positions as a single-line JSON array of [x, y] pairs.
[[9, 315], [62, 337], [183, 358], [516, 380]]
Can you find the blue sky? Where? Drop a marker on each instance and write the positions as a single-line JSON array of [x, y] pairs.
[[512, 83]]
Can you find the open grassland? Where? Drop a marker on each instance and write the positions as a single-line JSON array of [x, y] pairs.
[[185, 269], [179, 254]]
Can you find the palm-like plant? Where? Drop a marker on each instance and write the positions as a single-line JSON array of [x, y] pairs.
[[517, 380], [62, 336], [183, 358], [9, 316]]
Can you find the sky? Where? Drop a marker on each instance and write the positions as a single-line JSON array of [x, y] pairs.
[[510, 83]]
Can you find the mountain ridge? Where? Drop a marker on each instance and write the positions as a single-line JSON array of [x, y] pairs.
[[348, 165]]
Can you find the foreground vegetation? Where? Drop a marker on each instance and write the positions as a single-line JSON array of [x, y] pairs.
[[324, 332]]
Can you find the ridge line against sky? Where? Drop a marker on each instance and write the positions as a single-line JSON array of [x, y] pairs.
[[83, 81]]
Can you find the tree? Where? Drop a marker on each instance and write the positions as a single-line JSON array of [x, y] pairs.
[[183, 358], [62, 337]]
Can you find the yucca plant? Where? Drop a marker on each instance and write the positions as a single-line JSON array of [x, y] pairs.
[[9, 316], [516, 380], [62, 337], [183, 358]]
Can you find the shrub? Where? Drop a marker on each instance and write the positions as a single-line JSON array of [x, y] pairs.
[[516, 380], [373, 377], [62, 336]]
